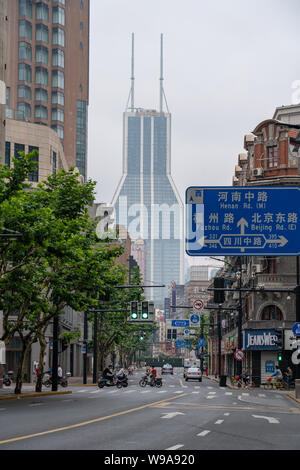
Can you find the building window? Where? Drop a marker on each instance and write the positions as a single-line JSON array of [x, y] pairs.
[[34, 175], [272, 156], [81, 137], [58, 16], [58, 114], [63, 2], [41, 76], [7, 153], [42, 33], [58, 79], [19, 148], [25, 51], [41, 54], [271, 312], [41, 112], [60, 131], [54, 162], [81, 25], [81, 5], [8, 97], [24, 92], [58, 98], [41, 95], [25, 29], [24, 73], [24, 109], [81, 46], [25, 8], [58, 37], [42, 12], [58, 58]]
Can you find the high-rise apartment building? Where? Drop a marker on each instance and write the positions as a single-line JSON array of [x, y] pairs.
[[47, 69], [147, 201]]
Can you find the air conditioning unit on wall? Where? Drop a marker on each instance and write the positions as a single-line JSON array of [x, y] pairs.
[[257, 268], [257, 172]]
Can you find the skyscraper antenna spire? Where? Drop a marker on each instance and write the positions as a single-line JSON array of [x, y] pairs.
[[161, 73], [132, 72]]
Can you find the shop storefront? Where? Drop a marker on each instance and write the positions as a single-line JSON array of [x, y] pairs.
[[261, 352]]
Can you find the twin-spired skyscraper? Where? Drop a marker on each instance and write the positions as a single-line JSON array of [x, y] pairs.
[[146, 201]]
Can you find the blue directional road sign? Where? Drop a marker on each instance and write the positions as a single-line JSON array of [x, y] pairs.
[[201, 343], [180, 343], [296, 329], [181, 323], [243, 220]]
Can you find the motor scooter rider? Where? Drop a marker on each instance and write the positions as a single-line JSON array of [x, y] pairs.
[[153, 375], [108, 374], [121, 374]]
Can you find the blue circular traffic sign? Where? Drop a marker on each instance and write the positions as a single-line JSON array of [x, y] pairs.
[[194, 319]]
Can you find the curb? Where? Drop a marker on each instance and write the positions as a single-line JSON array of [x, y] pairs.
[[33, 395], [293, 398]]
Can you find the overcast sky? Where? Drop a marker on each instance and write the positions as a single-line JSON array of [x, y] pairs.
[[227, 65]]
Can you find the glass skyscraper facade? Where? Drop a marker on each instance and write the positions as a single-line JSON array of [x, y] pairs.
[[147, 202]]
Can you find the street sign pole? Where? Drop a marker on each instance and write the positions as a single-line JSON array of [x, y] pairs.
[[219, 340], [297, 378]]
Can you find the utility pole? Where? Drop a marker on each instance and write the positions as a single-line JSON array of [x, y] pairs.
[[55, 354], [240, 319], [202, 337], [85, 336], [219, 340]]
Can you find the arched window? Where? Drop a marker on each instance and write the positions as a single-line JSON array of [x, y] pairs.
[[271, 312]]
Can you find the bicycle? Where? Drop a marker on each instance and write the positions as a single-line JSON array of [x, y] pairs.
[[236, 380], [272, 383]]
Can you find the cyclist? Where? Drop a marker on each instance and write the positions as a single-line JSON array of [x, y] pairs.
[[245, 376], [277, 374]]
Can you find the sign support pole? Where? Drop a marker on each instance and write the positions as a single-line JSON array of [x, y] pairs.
[[219, 340], [297, 378]]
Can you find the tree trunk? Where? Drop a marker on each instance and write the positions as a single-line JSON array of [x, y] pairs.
[[43, 345], [19, 380]]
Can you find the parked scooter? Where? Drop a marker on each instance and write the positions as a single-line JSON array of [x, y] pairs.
[[60, 380], [8, 378]]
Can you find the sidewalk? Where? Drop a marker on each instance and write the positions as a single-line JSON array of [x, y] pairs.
[[290, 393], [28, 389]]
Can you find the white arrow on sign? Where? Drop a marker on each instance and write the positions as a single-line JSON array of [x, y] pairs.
[[171, 415], [296, 357], [270, 419]]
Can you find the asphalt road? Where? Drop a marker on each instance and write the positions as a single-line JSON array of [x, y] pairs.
[[179, 416]]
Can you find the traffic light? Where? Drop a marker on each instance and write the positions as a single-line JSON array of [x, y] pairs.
[[219, 295], [279, 357], [145, 310], [279, 340], [134, 314]]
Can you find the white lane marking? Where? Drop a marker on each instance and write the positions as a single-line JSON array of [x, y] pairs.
[[210, 388], [175, 447], [196, 386], [210, 396], [197, 393], [211, 393], [146, 391], [178, 391], [219, 421], [113, 391], [268, 418], [82, 391], [171, 415], [3, 409], [171, 385], [245, 394], [261, 395], [36, 404], [162, 391], [95, 391], [130, 391], [228, 393], [67, 399], [203, 433], [226, 414]]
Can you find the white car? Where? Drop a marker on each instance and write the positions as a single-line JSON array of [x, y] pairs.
[[193, 373]]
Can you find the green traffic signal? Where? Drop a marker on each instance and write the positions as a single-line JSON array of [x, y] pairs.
[[279, 357], [134, 311], [145, 310]]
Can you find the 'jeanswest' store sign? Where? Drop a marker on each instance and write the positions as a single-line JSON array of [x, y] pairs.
[[260, 340]]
